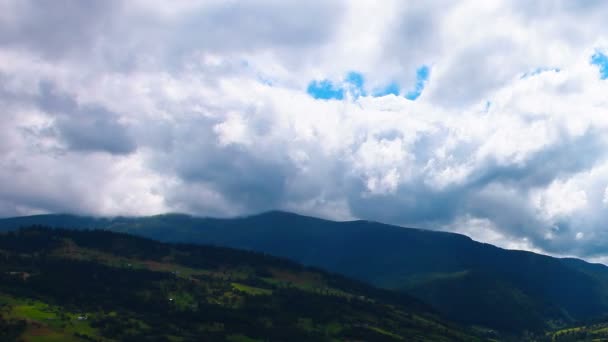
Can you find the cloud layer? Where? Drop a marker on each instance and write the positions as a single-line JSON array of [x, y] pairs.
[[482, 118]]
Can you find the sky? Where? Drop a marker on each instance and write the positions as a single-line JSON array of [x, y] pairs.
[[487, 118]]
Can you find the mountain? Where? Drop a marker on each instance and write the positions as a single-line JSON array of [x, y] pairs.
[[470, 282], [591, 331], [74, 285]]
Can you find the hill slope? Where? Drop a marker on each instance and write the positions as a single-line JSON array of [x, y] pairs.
[[62, 285], [468, 281]]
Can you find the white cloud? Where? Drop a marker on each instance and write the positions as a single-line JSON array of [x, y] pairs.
[[232, 131], [202, 107], [486, 231], [560, 199]]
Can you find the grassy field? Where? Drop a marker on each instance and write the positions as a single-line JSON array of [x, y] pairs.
[[250, 290], [46, 323], [595, 332]]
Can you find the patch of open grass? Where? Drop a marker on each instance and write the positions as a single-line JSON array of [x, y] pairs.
[[302, 280], [603, 330], [254, 291], [387, 333], [182, 300], [240, 338], [36, 311], [49, 323], [308, 282], [81, 327], [333, 328]]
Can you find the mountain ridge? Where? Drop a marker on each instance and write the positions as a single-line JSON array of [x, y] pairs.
[[531, 291]]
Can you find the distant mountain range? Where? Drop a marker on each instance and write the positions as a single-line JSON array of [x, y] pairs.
[[467, 281]]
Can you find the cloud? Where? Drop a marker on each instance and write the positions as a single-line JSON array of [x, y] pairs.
[[55, 29], [84, 127], [407, 113], [242, 26]]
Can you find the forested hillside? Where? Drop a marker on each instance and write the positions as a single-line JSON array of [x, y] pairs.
[[66, 285], [467, 281]]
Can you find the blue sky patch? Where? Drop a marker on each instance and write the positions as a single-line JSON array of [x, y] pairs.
[[355, 79], [354, 84], [325, 90], [601, 60], [392, 88], [422, 76]]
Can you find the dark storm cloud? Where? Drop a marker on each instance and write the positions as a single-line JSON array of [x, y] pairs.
[[567, 156], [54, 29], [244, 178], [85, 127], [246, 25], [493, 191], [477, 71]]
